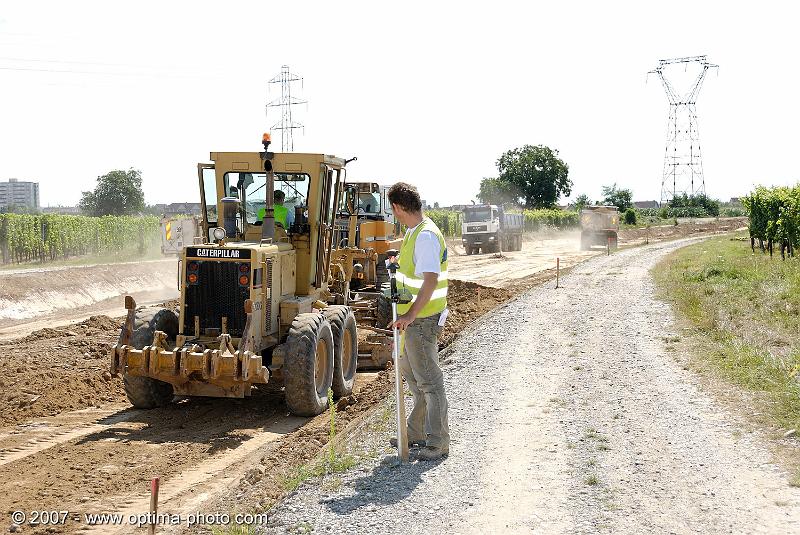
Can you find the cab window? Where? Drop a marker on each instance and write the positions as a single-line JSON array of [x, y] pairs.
[[210, 195], [252, 187]]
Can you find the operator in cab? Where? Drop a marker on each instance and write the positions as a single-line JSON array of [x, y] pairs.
[[283, 216]]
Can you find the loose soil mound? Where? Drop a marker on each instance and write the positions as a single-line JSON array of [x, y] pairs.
[[467, 302], [55, 370]]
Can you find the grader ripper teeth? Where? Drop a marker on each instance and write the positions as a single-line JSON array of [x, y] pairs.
[[223, 368]]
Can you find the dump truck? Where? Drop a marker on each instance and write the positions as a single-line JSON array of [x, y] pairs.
[[599, 226], [177, 232], [488, 228], [259, 304]]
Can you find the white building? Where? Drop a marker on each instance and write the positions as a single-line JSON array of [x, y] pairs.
[[19, 193]]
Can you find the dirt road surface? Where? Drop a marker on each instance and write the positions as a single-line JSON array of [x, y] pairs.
[[569, 413], [519, 270]]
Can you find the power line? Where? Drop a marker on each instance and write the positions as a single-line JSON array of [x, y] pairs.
[[683, 163], [286, 125]]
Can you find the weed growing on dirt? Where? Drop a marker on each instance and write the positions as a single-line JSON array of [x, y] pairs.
[[302, 527], [333, 464], [332, 432], [340, 463], [592, 480], [235, 529]]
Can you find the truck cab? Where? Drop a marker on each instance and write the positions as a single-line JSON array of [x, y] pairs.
[[489, 228]]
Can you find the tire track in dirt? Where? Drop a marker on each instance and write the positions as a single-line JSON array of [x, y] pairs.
[[30, 438]]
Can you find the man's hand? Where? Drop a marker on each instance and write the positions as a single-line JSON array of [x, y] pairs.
[[404, 321]]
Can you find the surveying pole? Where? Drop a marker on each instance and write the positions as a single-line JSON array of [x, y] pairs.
[[402, 431]]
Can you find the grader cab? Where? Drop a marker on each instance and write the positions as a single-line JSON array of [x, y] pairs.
[[259, 303]]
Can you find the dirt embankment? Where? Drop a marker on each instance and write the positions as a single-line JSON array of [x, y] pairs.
[[34, 298], [685, 229]]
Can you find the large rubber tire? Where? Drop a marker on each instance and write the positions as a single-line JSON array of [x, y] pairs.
[[469, 250], [345, 348], [308, 366], [383, 312], [146, 392]]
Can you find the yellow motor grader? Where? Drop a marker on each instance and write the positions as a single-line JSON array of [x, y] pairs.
[[259, 303]]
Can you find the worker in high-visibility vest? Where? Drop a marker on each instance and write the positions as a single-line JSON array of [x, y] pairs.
[[423, 275], [282, 214]]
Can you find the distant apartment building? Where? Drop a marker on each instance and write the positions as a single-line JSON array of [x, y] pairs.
[[19, 193]]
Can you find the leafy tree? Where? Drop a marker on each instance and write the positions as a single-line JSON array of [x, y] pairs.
[[630, 216], [497, 191], [701, 200], [436, 206], [117, 193], [581, 201], [538, 173], [621, 198]]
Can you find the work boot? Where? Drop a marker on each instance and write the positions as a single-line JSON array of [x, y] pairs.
[[419, 443], [431, 453]]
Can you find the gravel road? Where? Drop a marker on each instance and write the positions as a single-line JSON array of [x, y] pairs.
[[568, 414]]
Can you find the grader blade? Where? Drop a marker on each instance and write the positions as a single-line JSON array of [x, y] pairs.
[[188, 369]]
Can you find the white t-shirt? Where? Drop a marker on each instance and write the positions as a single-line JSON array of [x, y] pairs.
[[427, 253]]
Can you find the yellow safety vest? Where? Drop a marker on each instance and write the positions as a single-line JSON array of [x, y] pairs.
[[408, 280], [280, 213]]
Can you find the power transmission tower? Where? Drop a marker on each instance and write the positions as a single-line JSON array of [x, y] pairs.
[[683, 163], [286, 125]]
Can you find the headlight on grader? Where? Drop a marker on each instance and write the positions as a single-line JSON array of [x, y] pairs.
[[218, 233]]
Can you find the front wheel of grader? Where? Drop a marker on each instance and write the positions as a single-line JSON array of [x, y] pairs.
[[308, 366], [146, 392]]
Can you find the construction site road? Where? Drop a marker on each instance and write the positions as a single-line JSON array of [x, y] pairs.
[[571, 411]]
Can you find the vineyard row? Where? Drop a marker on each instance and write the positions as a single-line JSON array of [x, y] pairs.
[[44, 238]]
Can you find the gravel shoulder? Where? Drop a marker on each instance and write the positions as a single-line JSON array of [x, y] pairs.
[[570, 412]]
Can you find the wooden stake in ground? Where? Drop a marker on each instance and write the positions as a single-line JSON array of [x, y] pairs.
[[153, 505], [558, 269]]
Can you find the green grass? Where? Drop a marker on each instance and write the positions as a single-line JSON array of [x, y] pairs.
[[302, 473], [744, 310], [234, 529], [592, 480]]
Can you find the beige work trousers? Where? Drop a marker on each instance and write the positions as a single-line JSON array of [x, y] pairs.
[[419, 365]]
